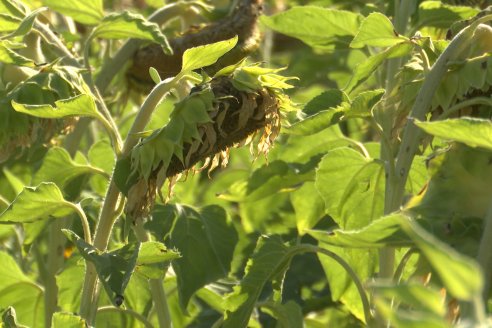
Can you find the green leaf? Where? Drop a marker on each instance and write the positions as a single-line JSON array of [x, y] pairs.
[[8, 56], [59, 168], [81, 105], [363, 103], [332, 107], [67, 320], [206, 242], [270, 258], [37, 203], [363, 262], [101, 155], [8, 23], [129, 25], [88, 12], [376, 31], [276, 177], [351, 186], [473, 132], [26, 24], [315, 26], [308, 206], [319, 121], [114, 268], [152, 252], [441, 15], [382, 232], [326, 100], [21, 293], [365, 69], [13, 8], [202, 56], [417, 296], [406, 318], [16, 183], [69, 284], [288, 315], [461, 275]]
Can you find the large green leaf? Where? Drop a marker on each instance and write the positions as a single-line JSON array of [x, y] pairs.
[[37, 203], [81, 105], [88, 12], [202, 56], [126, 25], [308, 206], [351, 186], [376, 31], [473, 132], [59, 168], [316, 26], [363, 262], [461, 276], [206, 242], [271, 258], [20, 292], [67, 320], [114, 268]]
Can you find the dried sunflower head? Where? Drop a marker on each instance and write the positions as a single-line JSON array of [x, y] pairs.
[[239, 105]]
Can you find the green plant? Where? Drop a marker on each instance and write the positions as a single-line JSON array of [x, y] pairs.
[[129, 196]]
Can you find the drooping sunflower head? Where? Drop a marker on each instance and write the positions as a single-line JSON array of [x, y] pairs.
[[241, 105]]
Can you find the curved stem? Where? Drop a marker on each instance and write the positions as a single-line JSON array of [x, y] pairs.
[[156, 288], [134, 314], [350, 272], [107, 216], [84, 221], [403, 262]]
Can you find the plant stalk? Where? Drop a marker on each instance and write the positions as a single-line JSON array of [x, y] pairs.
[[156, 287], [55, 259], [107, 217]]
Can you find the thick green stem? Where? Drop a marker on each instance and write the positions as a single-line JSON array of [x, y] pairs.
[[107, 216], [56, 244], [156, 287], [412, 134], [403, 10]]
